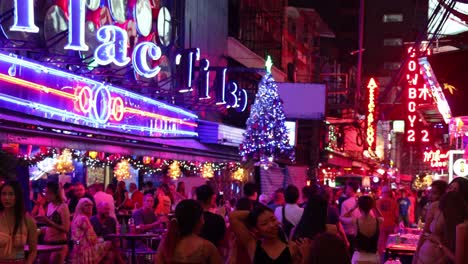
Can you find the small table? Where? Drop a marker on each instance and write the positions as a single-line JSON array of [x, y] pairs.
[[132, 238], [41, 249]]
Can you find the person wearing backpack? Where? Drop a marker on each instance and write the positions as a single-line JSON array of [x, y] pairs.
[[290, 214]]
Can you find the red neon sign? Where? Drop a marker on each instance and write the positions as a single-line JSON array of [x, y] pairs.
[[416, 95], [371, 115], [435, 158]]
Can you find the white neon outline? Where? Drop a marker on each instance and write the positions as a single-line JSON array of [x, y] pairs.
[[140, 53], [246, 97], [223, 90], [189, 83], [233, 93], [94, 7], [108, 36], [142, 32], [207, 80], [72, 10], [97, 115], [38, 67], [30, 27], [177, 59], [165, 19]]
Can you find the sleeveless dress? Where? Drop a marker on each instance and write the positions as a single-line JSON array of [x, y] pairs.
[[429, 251], [87, 249], [9, 245], [261, 257], [366, 247]]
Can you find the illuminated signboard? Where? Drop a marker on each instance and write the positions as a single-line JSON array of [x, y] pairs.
[[435, 158], [436, 90], [417, 93], [145, 56], [371, 118], [34, 89], [458, 166]]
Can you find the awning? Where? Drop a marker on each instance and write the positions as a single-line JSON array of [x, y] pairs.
[[34, 131]]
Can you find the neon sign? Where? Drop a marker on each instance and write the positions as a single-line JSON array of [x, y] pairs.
[[34, 89], [437, 92], [145, 55], [436, 158], [415, 132], [371, 115]]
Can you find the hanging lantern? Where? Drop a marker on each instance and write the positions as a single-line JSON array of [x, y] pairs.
[[174, 170], [64, 162], [239, 175], [122, 170], [147, 160], [93, 154], [207, 171]]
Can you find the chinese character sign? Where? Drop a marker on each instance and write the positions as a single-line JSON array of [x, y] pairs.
[[372, 90]]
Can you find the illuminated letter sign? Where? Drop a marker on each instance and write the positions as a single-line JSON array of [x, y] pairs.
[[435, 158], [371, 115], [114, 49], [416, 94], [52, 94]]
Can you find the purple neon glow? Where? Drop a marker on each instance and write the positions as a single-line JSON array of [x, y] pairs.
[[54, 106]]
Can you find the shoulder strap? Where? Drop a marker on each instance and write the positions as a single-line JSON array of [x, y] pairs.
[[284, 212]]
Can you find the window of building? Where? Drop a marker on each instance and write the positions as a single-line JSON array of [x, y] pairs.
[[392, 65], [391, 18], [393, 42]]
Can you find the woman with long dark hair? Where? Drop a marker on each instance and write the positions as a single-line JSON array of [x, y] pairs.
[[182, 243], [259, 231], [57, 221], [313, 220], [17, 229]]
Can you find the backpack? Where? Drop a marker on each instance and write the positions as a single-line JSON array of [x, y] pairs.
[[287, 226]]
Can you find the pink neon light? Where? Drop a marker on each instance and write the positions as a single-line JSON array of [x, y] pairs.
[[85, 102], [117, 108], [82, 105], [436, 158]]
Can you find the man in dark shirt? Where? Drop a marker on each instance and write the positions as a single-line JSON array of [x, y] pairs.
[[102, 223], [214, 228], [251, 193], [80, 192], [145, 218]]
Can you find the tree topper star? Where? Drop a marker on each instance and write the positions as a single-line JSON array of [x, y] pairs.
[[268, 64]]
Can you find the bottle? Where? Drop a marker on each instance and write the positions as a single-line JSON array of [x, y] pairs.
[[131, 225], [123, 228]]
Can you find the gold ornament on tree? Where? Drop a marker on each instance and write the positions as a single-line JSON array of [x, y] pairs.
[[174, 170], [64, 162], [239, 175], [207, 171], [122, 170], [422, 182]]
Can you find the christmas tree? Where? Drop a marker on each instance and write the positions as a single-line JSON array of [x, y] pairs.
[[266, 136]]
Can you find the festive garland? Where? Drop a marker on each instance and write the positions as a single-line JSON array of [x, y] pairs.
[[150, 165]]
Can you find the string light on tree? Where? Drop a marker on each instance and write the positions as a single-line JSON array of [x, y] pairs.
[[266, 136], [174, 170], [239, 175], [64, 162], [207, 171], [122, 170]]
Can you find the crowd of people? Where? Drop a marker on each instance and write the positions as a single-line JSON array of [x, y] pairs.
[[315, 225]]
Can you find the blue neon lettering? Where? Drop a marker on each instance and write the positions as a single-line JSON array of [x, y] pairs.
[[242, 100], [24, 17], [76, 23], [140, 62], [204, 80], [114, 47]]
